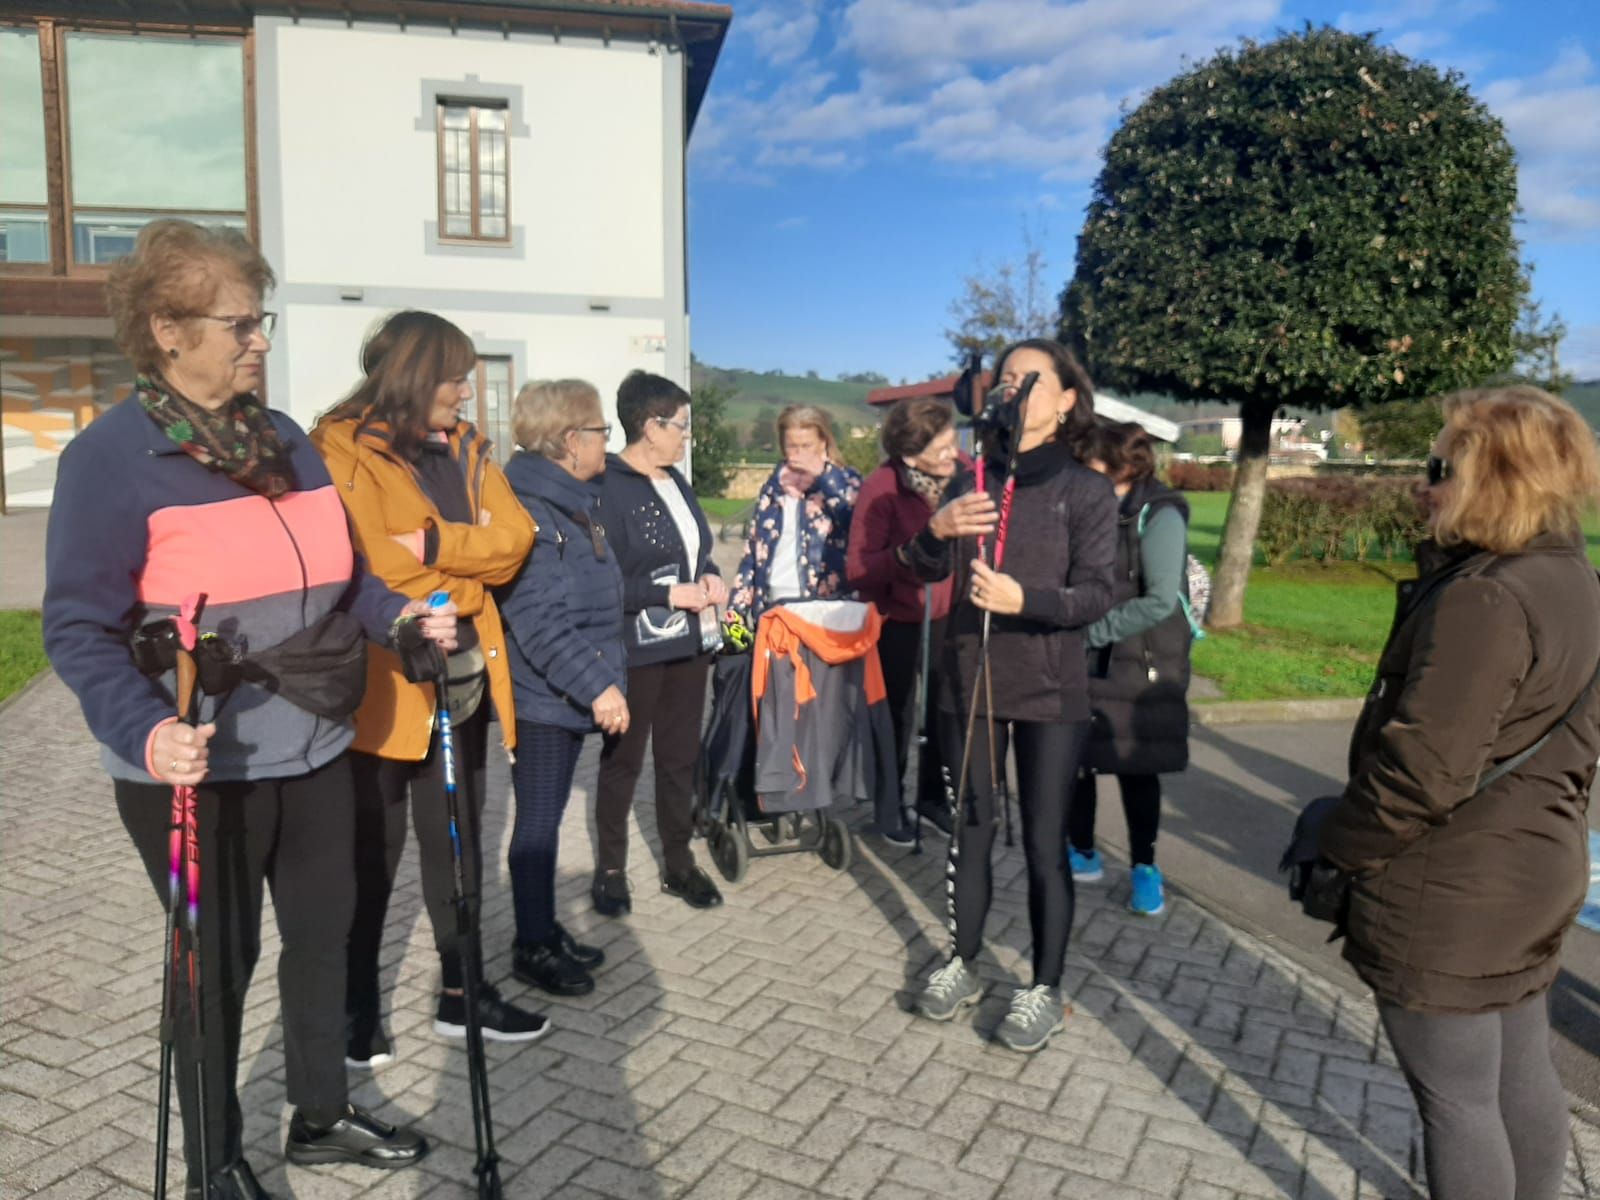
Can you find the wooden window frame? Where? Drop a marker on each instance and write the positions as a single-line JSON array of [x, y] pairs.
[[504, 448], [36, 286], [473, 106]]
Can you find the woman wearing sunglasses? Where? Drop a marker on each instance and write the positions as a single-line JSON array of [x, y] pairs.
[[1468, 856], [670, 593], [564, 614], [431, 513]]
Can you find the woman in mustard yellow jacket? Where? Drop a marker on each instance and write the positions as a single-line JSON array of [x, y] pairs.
[[431, 512]]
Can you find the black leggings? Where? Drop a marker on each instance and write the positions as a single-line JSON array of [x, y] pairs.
[[295, 835], [1047, 760], [381, 787], [1141, 805], [1494, 1115], [900, 655]]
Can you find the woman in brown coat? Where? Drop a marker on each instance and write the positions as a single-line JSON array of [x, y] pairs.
[[1461, 892]]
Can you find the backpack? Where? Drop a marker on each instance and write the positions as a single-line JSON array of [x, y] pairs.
[[1195, 599]]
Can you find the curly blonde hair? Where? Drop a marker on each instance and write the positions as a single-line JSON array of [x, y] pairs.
[[1522, 462], [176, 270]]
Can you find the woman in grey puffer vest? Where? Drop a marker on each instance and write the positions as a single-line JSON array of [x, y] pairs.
[[1138, 663]]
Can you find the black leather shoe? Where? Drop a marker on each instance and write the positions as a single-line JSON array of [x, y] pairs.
[[611, 894], [233, 1182], [357, 1137], [544, 966], [589, 957], [693, 887], [937, 816]]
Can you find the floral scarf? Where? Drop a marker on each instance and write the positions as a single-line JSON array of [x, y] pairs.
[[237, 439]]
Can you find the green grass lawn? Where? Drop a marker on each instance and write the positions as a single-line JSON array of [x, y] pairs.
[[21, 650], [720, 508]]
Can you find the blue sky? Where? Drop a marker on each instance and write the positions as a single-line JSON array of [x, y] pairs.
[[856, 159]]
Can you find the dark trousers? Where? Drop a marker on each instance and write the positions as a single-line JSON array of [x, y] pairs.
[[541, 777], [665, 704], [295, 834], [381, 787], [1141, 805], [1047, 761], [900, 654], [1494, 1116]]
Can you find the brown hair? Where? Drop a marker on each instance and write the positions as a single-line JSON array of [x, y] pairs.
[[1522, 463], [1069, 373], [1124, 447], [405, 360], [175, 270], [546, 410], [805, 416], [912, 423]]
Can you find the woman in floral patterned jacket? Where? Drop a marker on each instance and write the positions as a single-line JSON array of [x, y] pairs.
[[801, 527]]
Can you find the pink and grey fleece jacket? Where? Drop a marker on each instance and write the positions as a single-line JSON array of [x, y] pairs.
[[135, 527]]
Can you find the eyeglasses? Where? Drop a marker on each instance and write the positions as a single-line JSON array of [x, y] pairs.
[[1438, 470], [680, 426], [602, 429], [245, 328]]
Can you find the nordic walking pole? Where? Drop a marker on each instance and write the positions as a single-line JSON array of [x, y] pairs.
[[487, 1167], [922, 705], [183, 891]]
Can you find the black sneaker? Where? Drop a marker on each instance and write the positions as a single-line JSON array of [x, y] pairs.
[[501, 1020], [611, 894], [584, 956], [233, 1182], [368, 1046], [357, 1137], [544, 966], [693, 887], [905, 834]]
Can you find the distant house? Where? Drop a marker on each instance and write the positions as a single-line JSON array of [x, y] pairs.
[[515, 165], [1105, 404], [1229, 429]]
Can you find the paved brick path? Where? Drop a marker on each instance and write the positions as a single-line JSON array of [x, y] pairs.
[[758, 1050]]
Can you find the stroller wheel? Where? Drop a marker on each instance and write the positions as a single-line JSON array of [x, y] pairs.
[[730, 852], [836, 849]]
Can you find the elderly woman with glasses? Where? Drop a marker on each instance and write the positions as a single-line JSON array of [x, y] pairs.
[[564, 614], [670, 593], [433, 513], [192, 486], [1468, 855]]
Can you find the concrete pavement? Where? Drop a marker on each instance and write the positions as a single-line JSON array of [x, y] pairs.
[[757, 1050]]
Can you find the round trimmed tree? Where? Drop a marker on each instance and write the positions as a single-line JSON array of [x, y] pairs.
[[1313, 222]]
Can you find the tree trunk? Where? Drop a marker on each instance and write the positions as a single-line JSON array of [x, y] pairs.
[[1244, 516]]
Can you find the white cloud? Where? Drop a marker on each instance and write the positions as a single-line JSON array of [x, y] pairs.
[[1035, 84], [1553, 121], [1580, 352], [792, 223]]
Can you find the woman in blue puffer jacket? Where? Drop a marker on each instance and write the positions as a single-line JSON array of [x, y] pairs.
[[564, 616]]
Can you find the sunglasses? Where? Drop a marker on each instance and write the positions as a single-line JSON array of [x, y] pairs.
[[1438, 470]]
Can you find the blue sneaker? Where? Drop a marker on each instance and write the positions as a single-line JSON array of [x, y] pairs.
[[1149, 898], [1086, 868]]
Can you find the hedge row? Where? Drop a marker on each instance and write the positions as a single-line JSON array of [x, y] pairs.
[[1330, 519]]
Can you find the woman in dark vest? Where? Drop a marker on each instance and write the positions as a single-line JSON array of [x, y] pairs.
[[1055, 580], [1138, 663]]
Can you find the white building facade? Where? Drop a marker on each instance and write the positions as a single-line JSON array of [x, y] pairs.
[[516, 166]]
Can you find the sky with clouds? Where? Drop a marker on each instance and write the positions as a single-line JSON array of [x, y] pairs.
[[856, 159]]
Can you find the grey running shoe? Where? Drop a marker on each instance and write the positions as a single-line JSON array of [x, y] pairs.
[[1035, 1014], [949, 989]]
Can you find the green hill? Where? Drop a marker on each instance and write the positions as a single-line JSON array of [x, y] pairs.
[[759, 397], [1585, 397]]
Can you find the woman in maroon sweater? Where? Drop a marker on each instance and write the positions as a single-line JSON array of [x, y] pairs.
[[919, 437]]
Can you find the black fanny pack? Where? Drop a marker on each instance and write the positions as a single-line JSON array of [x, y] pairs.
[[322, 669]]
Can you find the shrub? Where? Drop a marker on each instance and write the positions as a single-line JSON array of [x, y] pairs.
[[1330, 518], [1200, 477]]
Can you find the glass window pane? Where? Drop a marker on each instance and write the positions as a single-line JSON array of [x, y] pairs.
[[491, 119], [456, 116], [22, 177], [156, 122], [492, 227], [492, 196], [99, 238], [24, 235], [458, 226]]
